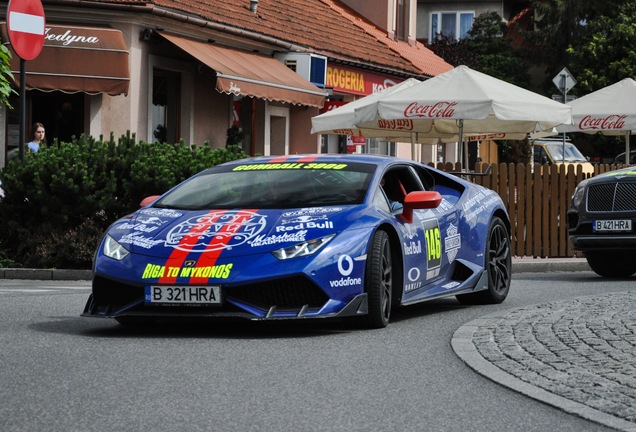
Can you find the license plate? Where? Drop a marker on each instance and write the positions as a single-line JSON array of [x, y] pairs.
[[199, 295], [614, 225]]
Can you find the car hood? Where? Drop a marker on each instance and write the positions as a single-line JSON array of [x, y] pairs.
[[160, 232], [628, 174]]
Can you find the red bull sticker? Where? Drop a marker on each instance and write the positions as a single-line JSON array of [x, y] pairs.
[[305, 226], [413, 247]]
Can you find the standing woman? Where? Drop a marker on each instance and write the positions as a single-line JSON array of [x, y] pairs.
[[37, 134]]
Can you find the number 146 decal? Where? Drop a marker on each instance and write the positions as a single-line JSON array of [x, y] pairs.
[[433, 243]]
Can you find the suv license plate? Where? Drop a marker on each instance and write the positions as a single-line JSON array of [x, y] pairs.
[[200, 295], [613, 225]]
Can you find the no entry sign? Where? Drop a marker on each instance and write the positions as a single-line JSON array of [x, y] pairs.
[[25, 25]]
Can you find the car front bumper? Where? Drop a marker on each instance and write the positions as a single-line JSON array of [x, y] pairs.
[[603, 242]]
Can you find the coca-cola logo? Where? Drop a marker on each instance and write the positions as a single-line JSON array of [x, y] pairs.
[[613, 121], [401, 124], [440, 109]]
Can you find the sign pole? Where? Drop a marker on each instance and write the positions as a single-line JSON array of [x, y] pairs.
[[22, 126], [564, 90], [564, 82]]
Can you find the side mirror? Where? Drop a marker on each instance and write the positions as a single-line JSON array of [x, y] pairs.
[[419, 200], [148, 200]]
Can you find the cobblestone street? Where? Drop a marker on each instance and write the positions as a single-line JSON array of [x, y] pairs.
[[580, 351]]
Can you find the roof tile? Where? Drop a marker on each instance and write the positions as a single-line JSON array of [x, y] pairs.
[[323, 26]]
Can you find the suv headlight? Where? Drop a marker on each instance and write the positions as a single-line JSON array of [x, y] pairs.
[[578, 195], [112, 249], [305, 248]]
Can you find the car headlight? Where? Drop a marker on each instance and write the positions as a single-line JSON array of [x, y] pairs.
[[578, 195], [305, 248], [112, 249]]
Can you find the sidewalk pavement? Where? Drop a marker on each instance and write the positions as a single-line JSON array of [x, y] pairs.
[[577, 354]]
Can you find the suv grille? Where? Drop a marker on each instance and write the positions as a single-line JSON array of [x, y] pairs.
[[612, 197]]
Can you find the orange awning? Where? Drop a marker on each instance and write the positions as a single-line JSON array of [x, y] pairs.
[[76, 59], [249, 74]]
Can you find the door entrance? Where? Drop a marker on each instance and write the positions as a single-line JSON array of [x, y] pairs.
[[277, 131]]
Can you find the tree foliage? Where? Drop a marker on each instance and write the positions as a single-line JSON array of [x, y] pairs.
[[596, 41], [494, 54], [6, 77], [485, 50], [453, 51], [604, 52], [593, 39], [514, 151]]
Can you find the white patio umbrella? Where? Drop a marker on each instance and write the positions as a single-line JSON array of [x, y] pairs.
[[464, 102], [341, 121], [609, 111]]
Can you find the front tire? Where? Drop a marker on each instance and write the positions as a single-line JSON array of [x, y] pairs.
[[498, 266], [612, 264], [378, 281]]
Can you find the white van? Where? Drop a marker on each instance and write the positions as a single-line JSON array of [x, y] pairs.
[[555, 151]]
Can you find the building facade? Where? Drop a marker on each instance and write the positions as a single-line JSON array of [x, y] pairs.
[[168, 71], [455, 17]]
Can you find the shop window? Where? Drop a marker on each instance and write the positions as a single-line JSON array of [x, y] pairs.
[[243, 119], [381, 147], [62, 115], [166, 109], [452, 24]]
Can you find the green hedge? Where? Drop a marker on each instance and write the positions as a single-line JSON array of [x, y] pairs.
[[59, 201]]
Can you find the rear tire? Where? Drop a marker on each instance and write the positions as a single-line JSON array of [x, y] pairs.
[[498, 266], [612, 264], [378, 281]]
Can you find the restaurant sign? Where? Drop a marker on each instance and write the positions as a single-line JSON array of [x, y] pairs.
[[343, 79]]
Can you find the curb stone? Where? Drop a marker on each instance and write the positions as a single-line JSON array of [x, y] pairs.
[[45, 274]]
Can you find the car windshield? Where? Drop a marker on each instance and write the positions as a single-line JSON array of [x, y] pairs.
[[272, 186], [572, 154]]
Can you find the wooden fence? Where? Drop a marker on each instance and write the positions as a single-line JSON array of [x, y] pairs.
[[537, 198]]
